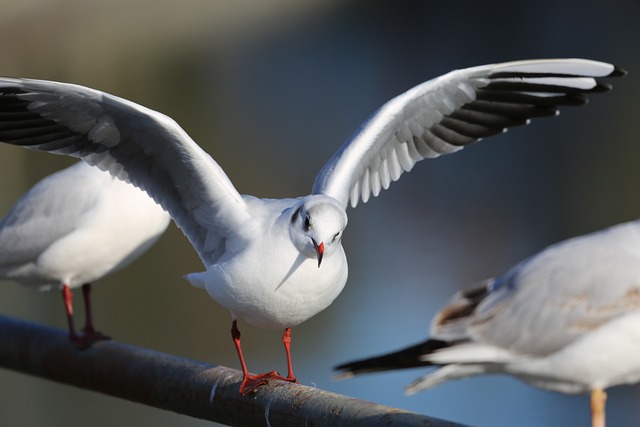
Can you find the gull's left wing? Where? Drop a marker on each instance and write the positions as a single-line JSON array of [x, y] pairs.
[[443, 115]]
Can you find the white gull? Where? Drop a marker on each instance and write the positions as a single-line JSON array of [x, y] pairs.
[[276, 263], [73, 228], [566, 319]]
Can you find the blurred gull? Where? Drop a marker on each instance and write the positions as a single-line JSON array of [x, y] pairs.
[[566, 319], [74, 227], [278, 262]]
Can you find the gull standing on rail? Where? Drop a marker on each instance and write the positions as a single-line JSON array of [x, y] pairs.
[[73, 228], [276, 263], [566, 319]]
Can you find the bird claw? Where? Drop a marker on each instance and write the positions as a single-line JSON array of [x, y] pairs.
[[250, 383], [87, 339]]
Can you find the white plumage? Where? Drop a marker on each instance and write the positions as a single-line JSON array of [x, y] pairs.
[[73, 228], [263, 257], [566, 319]]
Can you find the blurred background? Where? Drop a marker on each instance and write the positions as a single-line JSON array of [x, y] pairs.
[[271, 89]]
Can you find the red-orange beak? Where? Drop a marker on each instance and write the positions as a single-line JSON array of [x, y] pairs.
[[319, 251]]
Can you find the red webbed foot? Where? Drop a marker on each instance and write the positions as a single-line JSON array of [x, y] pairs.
[[87, 339], [250, 383]]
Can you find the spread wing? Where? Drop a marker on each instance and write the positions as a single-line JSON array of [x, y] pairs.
[[132, 142], [443, 115]]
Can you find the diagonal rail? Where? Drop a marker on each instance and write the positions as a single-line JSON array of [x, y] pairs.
[[185, 386]]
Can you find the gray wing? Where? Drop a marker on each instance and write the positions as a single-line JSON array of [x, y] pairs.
[[562, 293], [445, 114], [132, 142], [61, 198]]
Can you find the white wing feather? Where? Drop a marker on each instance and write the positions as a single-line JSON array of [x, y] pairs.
[[443, 115], [135, 144]]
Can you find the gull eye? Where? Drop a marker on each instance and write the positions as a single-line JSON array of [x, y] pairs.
[[335, 236], [307, 223]]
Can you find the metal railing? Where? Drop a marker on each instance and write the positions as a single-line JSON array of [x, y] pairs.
[[185, 386]]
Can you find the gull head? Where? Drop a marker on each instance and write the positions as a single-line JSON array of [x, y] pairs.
[[317, 223]]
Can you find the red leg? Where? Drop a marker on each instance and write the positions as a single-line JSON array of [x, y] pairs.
[[90, 334], [88, 313], [249, 382], [67, 298], [286, 340], [235, 334]]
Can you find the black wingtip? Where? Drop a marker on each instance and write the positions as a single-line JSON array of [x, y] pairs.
[[601, 87], [618, 72]]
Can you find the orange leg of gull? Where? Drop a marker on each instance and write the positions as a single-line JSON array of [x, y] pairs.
[[67, 297], [598, 401], [251, 382], [286, 340], [90, 334]]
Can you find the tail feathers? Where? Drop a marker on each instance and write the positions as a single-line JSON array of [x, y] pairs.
[[446, 373], [196, 279], [409, 357]]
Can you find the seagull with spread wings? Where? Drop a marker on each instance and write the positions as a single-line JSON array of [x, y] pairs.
[[278, 262]]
